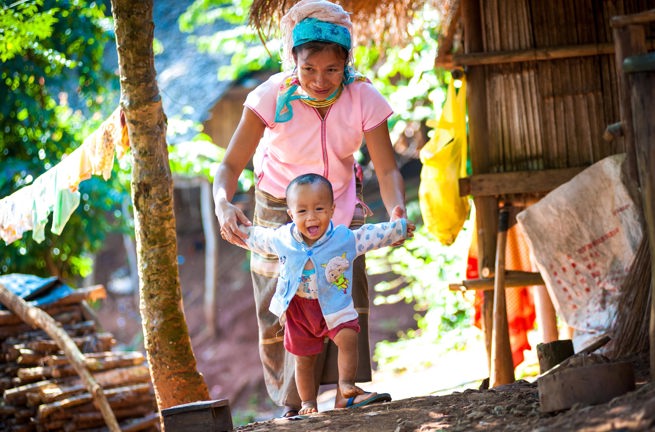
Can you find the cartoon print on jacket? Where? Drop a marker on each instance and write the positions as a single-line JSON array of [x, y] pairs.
[[334, 270]]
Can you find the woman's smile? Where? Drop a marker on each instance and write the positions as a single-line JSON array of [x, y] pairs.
[[320, 73]]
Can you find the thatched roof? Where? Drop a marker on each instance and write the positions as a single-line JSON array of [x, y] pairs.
[[377, 21], [187, 78]]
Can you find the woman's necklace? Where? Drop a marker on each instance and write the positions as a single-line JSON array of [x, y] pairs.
[[326, 102]]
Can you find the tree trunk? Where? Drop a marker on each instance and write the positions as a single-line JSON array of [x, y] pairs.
[[166, 336]]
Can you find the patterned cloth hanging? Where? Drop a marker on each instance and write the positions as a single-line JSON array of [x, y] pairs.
[[56, 190]]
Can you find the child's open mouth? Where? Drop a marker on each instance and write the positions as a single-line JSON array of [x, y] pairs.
[[313, 230]]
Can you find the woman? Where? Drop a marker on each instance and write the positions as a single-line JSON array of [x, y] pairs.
[[311, 118]]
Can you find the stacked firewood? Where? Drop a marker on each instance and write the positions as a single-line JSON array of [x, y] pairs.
[[41, 389]]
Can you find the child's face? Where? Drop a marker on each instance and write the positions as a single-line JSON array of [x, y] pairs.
[[310, 207]]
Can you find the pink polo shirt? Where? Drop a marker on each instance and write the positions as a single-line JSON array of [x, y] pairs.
[[309, 143]]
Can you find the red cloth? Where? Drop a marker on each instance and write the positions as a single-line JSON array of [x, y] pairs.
[[520, 304]]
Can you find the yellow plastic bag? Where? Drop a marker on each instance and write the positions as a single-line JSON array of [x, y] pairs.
[[444, 162]]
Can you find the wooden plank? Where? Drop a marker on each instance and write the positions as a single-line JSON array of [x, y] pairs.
[[517, 182], [214, 416], [638, 18], [513, 279], [537, 54]]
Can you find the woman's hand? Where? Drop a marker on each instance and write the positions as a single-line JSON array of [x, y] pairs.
[[229, 218], [241, 148]]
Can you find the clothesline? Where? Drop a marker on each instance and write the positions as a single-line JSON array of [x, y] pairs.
[[56, 190]]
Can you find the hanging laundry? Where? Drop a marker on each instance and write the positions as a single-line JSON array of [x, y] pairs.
[[44, 191], [102, 143], [16, 214], [66, 202], [56, 190]]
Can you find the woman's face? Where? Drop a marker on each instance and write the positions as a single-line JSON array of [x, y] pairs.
[[320, 72]]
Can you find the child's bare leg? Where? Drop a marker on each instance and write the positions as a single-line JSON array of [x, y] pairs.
[[305, 383], [346, 341]]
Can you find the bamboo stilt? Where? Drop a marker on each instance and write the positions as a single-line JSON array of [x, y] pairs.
[[502, 370]]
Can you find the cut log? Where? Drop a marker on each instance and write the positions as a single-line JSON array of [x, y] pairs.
[[95, 361], [37, 318], [95, 342], [108, 379], [553, 353], [116, 395], [66, 315], [586, 385]]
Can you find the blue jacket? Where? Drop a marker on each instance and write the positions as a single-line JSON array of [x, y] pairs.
[[330, 255]]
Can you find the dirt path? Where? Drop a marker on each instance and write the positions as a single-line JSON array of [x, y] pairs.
[[513, 407]]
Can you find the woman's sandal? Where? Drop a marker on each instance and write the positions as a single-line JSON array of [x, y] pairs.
[[289, 412]]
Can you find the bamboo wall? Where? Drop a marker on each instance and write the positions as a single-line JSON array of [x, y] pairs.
[[549, 113]]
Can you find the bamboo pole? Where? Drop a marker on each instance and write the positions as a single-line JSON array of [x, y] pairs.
[[502, 366], [38, 318]]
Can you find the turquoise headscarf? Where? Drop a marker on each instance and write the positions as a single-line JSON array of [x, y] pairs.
[[312, 30]]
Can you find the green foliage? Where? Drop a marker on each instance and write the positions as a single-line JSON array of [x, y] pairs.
[[24, 26], [201, 157], [419, 273], [57, 65], [237, 40]]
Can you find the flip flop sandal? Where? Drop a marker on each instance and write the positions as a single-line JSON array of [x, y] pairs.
[[289, 413], [378, 398]]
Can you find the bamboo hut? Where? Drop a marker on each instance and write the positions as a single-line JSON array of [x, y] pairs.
[[545, 99]]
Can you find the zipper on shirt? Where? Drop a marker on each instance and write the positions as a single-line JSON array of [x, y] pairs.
[[326, 165]]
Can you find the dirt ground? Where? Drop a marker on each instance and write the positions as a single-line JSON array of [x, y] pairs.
[[513, 407], [229, 361]]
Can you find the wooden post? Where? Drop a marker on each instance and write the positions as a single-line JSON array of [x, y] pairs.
[[486, 208], [211, 252], [629, 40], [502, 366], [211, 247], [38, 318], [642, 91]]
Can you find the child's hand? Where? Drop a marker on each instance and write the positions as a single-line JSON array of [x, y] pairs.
[[410, 229], [398, 212]]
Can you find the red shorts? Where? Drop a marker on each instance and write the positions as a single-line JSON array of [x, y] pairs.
[[305, 328]]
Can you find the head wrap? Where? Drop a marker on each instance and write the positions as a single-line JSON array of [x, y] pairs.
[[321, 10], [307, 21], [311, 29]]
